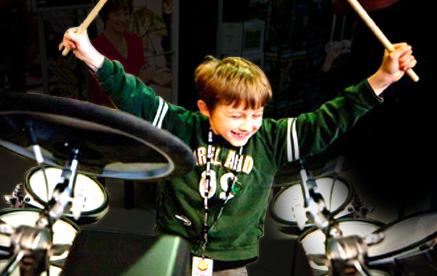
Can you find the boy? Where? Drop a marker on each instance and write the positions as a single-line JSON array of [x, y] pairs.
[[219, 206]]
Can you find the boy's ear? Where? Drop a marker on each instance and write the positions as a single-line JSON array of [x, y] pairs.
[[203, 108]]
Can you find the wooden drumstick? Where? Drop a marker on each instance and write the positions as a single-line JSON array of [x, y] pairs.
[[94, 12], [377, 31]]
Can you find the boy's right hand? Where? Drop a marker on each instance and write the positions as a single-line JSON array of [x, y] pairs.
[[81, 45]]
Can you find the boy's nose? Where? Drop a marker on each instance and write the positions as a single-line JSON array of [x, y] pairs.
[[246, 125]]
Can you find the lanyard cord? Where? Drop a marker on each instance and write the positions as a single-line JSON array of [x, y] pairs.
[[208, 189], [206, 193]]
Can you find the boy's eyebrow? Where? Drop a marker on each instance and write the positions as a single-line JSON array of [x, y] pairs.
[[243, 111], [234, 112], [259, 109]]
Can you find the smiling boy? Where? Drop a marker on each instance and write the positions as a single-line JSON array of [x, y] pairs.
[[220, 205]]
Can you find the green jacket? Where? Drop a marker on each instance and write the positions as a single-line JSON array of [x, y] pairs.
[[180, 208]]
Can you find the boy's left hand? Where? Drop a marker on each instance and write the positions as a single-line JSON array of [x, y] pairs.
[[397, 62], [393, 67]]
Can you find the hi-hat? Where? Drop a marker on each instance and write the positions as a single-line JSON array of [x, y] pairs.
[[110, 143]]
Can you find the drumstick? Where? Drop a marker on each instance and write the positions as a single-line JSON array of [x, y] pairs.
[[377, 31], [94, 12]]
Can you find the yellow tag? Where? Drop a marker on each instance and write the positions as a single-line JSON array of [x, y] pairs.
[[202, 267]]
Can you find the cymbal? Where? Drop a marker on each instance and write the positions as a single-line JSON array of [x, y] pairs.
[[110, 143]]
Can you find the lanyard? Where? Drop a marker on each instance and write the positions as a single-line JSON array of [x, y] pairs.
[[207, 190]]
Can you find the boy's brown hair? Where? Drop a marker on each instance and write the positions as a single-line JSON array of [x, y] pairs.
[[232, 81]]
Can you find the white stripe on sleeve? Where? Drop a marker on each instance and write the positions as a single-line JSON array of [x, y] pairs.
[[292, 142], [158, 113], [295, 141], [164, 112]]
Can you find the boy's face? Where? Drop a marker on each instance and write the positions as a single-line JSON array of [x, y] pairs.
[[235, 124]]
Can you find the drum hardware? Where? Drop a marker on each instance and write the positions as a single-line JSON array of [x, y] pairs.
[[35, 242], [89, 193], [350, 252], [62, 234], [63, 196], [31, 248], [374, 238], [37, 151], [30, 242], [59, 132], [347, 252], [16, 199], [343, 252], [315, 206], [403, 247], [360, 208], [314, 241], [339, 197]]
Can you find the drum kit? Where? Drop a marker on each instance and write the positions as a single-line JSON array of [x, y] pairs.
[[73, 143], [330, 221]]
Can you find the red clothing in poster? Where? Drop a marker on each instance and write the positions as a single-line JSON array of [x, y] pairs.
[[132, 64]]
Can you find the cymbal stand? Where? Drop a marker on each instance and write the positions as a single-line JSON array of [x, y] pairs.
[[36, 243], [63, 195], [315, 206], [343, 253]]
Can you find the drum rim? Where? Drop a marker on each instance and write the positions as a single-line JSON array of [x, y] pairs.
[[408, 247], [98, 210], [337, 211], [38, 211], [315, 228]]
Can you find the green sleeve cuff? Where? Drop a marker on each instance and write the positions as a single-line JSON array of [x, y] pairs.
[[106, 70], [368, 96]]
